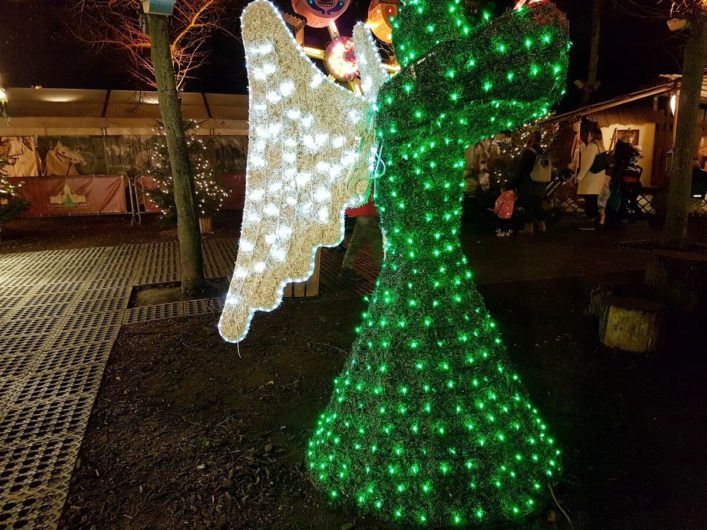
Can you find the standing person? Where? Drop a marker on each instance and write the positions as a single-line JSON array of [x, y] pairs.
[[531, 190], [592, 177], [626, 179], [504, 207], [368, 229]]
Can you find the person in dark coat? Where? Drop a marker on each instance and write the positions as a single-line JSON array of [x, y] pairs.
[[531, 193]]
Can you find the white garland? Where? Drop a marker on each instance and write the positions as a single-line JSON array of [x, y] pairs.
[[310, 149]]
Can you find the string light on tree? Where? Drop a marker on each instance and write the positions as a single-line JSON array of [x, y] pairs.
[[210, 194], [11, 201]]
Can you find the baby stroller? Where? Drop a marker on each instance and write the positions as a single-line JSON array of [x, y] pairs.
[[626, 182]]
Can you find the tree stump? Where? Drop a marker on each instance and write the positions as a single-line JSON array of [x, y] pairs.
[[632, 324], [679, 278]]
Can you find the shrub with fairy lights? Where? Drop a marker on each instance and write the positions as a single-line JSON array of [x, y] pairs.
[[11, 202], [429, 423], [209, 192], [504, 168]]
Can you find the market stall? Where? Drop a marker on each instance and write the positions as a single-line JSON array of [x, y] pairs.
[[88, 152]]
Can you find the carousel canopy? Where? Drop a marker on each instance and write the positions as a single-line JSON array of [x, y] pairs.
[[53, 111]]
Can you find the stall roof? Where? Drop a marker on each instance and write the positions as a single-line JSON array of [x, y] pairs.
[[69, 102], [607, 110], [82, 111]]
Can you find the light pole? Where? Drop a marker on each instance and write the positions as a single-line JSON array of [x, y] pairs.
[[192, 261]]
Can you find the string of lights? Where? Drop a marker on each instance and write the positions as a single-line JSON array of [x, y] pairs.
[[210, 194], [11, 200]]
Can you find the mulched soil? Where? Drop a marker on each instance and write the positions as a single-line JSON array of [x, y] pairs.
[[190, 432], [50, 233]]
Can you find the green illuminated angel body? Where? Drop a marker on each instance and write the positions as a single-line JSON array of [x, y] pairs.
[[429, 423]]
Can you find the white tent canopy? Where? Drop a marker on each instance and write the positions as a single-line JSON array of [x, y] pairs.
[[69, 112]]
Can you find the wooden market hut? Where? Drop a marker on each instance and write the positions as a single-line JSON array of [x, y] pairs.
[[650, 114]]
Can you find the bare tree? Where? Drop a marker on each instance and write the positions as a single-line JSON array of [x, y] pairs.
[[121, 24], [163, 53]]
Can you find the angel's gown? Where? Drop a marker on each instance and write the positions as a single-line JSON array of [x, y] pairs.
[[429, 423]]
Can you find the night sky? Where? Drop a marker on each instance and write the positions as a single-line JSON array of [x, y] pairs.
[[38, 47]]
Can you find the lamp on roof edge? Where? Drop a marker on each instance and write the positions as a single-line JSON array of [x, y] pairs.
[[163, 8], [3, 103]]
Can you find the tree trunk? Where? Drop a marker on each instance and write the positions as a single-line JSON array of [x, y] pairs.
[[593, 71], [191, 259], [675, 230]]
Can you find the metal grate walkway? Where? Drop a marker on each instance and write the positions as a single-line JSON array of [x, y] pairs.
[[60, 313]]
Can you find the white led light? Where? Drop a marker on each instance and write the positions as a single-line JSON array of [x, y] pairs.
[[303, 178], [271, 210], [287, 88], [257, 195], [284, 232], [322, 195], [308, 121], [355, 116], [323, 167], [273, 97]]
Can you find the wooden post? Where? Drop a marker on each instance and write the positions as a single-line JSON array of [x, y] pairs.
[[191, 258]]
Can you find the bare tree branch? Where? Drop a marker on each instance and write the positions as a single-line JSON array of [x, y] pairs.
[[121, 24]]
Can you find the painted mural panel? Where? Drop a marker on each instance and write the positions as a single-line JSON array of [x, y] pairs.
[[72, 155]]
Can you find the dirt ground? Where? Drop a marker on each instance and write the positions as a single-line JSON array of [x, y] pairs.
[[50, 233], [190, 432]]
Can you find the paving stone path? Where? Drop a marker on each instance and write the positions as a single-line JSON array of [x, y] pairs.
[[60, 313]]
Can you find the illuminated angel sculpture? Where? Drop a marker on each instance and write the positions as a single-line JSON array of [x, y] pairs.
[[428, 424]]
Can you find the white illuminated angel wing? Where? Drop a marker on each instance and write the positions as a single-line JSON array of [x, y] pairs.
[[308, 160]]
